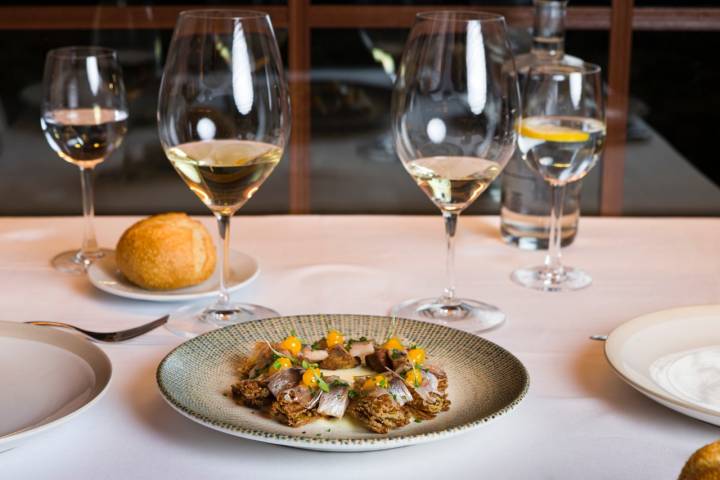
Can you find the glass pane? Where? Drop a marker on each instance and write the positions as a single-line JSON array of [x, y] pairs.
[[194, 3], [473, 3], [670, 167], [137, 179], [353, 166], [677, 3]]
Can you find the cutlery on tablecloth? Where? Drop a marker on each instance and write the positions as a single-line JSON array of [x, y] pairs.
[[120, 336]]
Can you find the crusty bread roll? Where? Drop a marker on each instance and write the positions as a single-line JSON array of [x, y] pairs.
[[166, 251], [703, 464]]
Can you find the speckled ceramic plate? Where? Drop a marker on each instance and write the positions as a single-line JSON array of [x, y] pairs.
[[485, 382]]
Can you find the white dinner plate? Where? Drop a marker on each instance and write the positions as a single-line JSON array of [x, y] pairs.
[[48, 376], [105, 275], [673, 357]]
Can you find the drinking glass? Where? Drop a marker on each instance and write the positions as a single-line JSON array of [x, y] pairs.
[[84, 118], [223, 120], [454, 111], [562, 135]]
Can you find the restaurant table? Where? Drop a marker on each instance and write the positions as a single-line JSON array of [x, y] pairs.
[[578, 420]]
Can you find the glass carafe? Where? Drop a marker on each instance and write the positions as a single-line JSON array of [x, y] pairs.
[[525, 211]]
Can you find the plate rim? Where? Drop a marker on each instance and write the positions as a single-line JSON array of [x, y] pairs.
[[14, 438], [346, 444], [641, 321], [159, 296]]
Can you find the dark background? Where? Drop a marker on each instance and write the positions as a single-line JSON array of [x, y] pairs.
[[673, 117]]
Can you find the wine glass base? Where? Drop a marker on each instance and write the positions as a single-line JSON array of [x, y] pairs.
[[542, 278], [75, 262], [463, 313], [193, 320]]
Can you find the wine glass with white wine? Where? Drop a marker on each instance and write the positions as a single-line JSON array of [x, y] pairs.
[[84, 118], [454, 113], [562, 135], [224, 120]]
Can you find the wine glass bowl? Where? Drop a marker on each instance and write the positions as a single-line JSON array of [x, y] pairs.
[[223, 121], [561, 138], [84, 119], [454, 114]]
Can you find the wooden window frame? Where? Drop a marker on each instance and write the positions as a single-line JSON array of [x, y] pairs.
[[300, 17]]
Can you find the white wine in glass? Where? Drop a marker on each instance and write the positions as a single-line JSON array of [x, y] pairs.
[[454, 113], [453, 183], [84, 118], [224, 121], [224, 173]]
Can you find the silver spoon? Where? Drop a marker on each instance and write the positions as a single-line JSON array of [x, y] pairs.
[[599, 338], [120, 336]]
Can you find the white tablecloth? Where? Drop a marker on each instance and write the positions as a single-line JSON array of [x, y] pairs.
[[578, 421]]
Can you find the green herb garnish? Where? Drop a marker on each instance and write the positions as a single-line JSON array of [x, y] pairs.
[[352, 394], [322, 384]]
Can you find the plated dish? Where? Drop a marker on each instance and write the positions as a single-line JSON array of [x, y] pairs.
[[673, 357], [104, 275], [75, 375], [380, 385], [484, 382]]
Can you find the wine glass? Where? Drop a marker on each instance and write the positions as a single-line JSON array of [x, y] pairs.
[[224, 120], [562, 136], [84, 118], [454, 111]]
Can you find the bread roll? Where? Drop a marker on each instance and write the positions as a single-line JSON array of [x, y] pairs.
[[704, 464], [166, 251]]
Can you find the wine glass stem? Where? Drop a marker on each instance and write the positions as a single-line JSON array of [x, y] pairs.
[[451, 220], [224, 229], [553, 259], [89, 246]]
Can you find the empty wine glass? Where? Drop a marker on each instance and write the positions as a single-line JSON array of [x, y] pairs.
[[84, 118], [224, 120], [562, 136], [454, 113]]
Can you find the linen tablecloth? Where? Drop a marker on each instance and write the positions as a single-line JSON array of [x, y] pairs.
[[578, 421]]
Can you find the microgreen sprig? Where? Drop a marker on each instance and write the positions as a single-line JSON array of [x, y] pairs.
[[313, 367]]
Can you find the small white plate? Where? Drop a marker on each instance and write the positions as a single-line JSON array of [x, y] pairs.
[[673, 357], [48, 377], [105, 275]]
